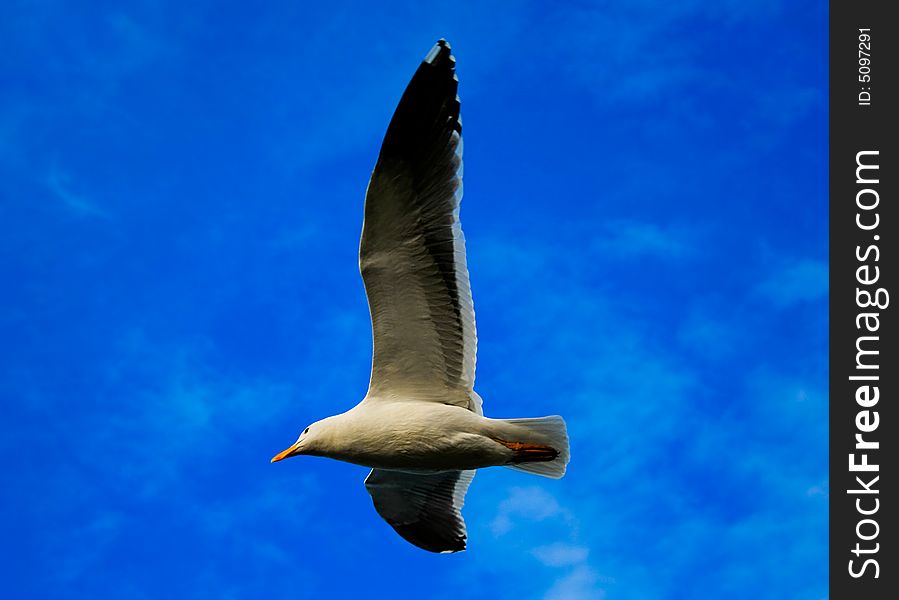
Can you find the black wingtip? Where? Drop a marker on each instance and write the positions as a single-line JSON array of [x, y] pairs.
[[440, 53], [428, 109]]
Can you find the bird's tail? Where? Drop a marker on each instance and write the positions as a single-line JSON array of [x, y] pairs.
[[543, 449]]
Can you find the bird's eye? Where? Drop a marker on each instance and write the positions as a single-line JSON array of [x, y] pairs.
[[305, 431]]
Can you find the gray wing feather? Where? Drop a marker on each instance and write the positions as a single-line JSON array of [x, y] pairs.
[[412, 252], [425, 509]]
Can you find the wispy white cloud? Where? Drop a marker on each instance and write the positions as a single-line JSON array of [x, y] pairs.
[[638, 239], [92, 539], [820, 489], [166, 417], [177, 400], [579, 584], [561, 554], [137, 45], [641, 58], [711, 334], [537, 521], [60, 184], [526, 504], [795, 282]]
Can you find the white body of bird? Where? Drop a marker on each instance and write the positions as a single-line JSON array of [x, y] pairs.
[[425, 436]]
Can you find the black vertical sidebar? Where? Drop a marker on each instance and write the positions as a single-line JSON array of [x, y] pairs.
[[864, 368]]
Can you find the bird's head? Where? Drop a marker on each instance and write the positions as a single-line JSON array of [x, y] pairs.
[[307, 443]]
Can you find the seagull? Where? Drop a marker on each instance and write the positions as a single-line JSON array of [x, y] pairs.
[[421, 427]]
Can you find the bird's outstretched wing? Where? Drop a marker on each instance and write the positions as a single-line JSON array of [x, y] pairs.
[[425, 509], [412, 254]]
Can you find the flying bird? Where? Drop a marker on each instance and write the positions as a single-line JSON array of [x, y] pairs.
[[421, 427]]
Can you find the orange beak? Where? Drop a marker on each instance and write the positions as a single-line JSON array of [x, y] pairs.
[[287, 453]]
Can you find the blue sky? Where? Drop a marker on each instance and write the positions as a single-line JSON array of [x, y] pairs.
[[181, 190]]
